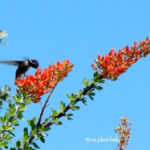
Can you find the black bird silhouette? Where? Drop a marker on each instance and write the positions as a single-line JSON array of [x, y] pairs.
[[23, 66]]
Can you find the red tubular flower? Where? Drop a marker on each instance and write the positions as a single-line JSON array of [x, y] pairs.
[[114, 64], [44, 81]]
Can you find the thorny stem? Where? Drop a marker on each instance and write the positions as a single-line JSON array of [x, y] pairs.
[[31, 137], [77, 99], [43, 108]]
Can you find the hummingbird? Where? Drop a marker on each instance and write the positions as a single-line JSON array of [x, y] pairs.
[[23, 66]]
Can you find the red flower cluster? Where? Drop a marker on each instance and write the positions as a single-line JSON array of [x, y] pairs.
[[44, 81], [113, 64]]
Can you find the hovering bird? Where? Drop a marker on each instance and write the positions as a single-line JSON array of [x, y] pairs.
[[23, 66]]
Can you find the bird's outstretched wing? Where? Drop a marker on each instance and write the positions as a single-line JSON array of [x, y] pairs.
[[17, 63]]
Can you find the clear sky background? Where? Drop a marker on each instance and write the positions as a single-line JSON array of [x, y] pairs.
[[80, 29]]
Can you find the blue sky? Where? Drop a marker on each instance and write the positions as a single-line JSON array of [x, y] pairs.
[[55, 30]]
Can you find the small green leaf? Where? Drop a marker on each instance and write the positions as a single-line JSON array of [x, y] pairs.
[[75, 107], [68, 96], [3, 120], [80, 95], [96, 75], [33, 126], [24, 94], [17, 98], [4, 144], [35, 145], [46, 120], [25, 137], [91, 97], [18, 144], [72, 96], [72, 104], [98, 87], [58, 123], [83, 101], [12, 109], [19, 115], [46, 129], [42, 139], [8, 137], [22, 107], [27, 101], [43, 134], [68, 116], [8, 128], [12, 148], [62, 106], [15, 122], [86, 82], [55, 112], [92, 94], [11, 133]]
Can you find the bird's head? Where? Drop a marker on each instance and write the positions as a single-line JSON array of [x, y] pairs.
[[34, 63]]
